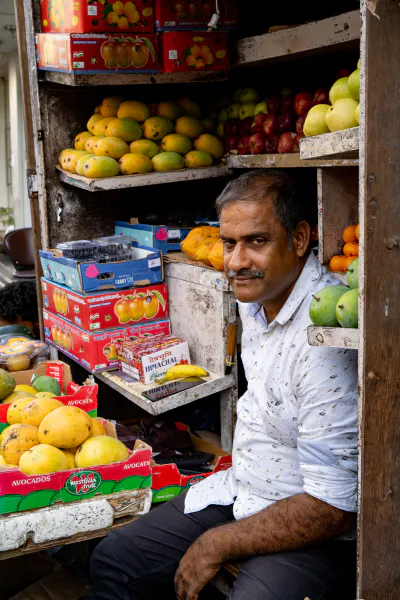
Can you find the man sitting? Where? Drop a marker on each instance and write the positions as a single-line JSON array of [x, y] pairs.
[[286, 508]]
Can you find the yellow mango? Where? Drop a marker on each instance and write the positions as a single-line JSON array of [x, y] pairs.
[[196, 238], [65, 427], [16, 440], [34, 412], [43, 459]]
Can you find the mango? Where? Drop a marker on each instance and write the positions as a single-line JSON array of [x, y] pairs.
[[190, 127], [216, 256], [175, 142], [65, 427], [168, 161], [21, 387], [7, 384], [92, 122], [45, 395], [109, 107], [196, 159], [97, 110], [42, 459], [99, 128], [97, 428], [126, 129], [16, 396], [156, 128], [81, 163], [146, 147], [63, 156], [135, 163], [90, 143], [133, 109], [347, 309], [197, 237], [73, 157], [210, 144], [204, 250], [70, 456], [80, 140], [352, 274], [111, 147], [16, 440], [191, 108], [100, 166], [15, 409], [20, 362], [323, 305], [170, 110], [100, 450], [47, 384], [34, 412], [4, 464]]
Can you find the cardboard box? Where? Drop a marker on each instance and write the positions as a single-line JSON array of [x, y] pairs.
[[194, 15], [184, 51], [100, 311], [162, 237], [91, 276], [92, 16], [95, 351], [96, 53], [168, 482]]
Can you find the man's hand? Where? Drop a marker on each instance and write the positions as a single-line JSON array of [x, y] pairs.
[[197, 567]]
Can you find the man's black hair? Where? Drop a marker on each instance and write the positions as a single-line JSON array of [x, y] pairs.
[[256, 186], [19, 299]]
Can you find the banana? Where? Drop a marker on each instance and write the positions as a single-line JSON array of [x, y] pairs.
[[180, 371]]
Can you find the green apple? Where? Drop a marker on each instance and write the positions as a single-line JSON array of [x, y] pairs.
[[339, 90], [341, 114], [357, 114], [233, 111], [247, 110], [249, 95], [354, 85], [261, 107], [222, 115], [315, 123]]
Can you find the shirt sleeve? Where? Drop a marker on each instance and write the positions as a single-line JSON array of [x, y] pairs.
[[325, 385]]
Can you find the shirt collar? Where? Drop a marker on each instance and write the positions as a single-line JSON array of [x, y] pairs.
[[310, 274]]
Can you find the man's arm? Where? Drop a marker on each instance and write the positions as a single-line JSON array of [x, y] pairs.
[[288, 524]]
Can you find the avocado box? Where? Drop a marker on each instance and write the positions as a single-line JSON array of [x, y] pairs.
[[100, 311], [96, 351], [144, 269], [168, 481], [162, 237]]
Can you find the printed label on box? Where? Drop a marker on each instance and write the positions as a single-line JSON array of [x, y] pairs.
[[154, 262], [92, 10], [173, 54]]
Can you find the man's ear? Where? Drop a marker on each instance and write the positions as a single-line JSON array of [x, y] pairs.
[[301, 238]]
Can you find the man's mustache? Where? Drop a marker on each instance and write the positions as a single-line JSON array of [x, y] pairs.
[[245, 273]]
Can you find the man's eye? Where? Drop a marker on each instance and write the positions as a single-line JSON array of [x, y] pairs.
[[258, 241], [228, 244]]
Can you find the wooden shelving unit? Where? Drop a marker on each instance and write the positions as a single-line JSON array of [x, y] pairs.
[[340, 145], [283, 161], [336, 337], [85, 79]]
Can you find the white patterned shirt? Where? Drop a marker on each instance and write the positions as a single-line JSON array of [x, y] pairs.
[[296, 425]]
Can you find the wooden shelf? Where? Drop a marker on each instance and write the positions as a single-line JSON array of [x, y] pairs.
[[283, 161], [336, 337], [112, 78], [311, 37], [132, 390], [129, 181], [340, 145]]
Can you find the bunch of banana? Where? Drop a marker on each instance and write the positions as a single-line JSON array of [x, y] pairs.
[[180, 371]]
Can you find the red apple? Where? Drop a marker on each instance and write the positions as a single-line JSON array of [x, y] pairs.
[[302, 103], [271, 145], [287, 103], [245, 126], [286, 122], [231, 127], [296, 142], [274, 104], [342, 73], [243, 145], [300, 122], [258, 122], [270, 124], [257, 143], [231, 143], [286, 142], [321, 96]]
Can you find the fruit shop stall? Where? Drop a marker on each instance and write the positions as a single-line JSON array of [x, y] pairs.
[[308, 79]]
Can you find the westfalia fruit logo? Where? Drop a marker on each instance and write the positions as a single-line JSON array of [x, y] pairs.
[[194, 480], [83, 483]]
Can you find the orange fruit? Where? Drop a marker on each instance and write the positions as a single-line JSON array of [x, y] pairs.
[[350, 249], [358, 231], [349, 234], [347, 261], [337, 263]]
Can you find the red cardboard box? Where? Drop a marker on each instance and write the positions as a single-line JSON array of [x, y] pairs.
[[194, 14], [95, 351], [87, 16], [194, 51], [106, 310], [96, 53]]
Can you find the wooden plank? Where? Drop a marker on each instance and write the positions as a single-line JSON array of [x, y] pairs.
[[283, 161], [337, 337], [337, 208], [310, 37], [130, 181], [77, 79], [379, 373], [340, 144], [132, 390]]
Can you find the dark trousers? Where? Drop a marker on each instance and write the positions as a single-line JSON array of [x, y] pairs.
[[139, 561]]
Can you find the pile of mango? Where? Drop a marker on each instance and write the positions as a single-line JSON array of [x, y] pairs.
[[46, 436], [129, 137], [203, 244]]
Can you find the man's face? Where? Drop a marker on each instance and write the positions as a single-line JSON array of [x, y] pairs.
[[257, 259]]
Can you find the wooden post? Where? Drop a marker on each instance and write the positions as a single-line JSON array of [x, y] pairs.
[[379, 506]]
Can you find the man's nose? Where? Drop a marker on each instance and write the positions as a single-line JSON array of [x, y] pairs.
[[239, 258]]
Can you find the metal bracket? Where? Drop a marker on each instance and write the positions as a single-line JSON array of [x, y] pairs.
[[32, 182]]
